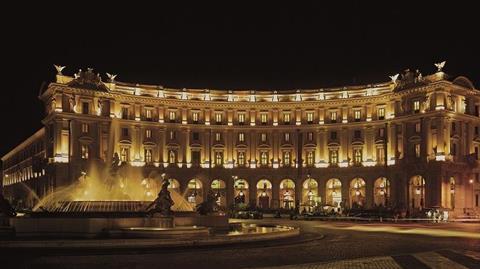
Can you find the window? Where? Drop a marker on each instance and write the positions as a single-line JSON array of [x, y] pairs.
[[476, 152], [263, 137], [196, 136], [417, 150], [195, 117], [85, 107], [124, 132], [263, 118], [172, 135], [333, 135], [84, 128], [310, 158], [218, 137], [310, 136], [264, 158], [357, 157], [476, 200], [241, 137], [172, 157], [241, 118], [381, 132], [286, 118], [357, 134], [416, 106], [124, 154], [287, 137], [125, 113], [241, 158], [476, 130], [453, 126], [453, 149], [477, 177], [310, 117], [148, 133], [286, 158], [381, 113], [218, 158], [148, 114], [333, 116], [477, 111], [85, 151], [148, 156], [418, 127], [172, 116], [218, 118], [380, 156], [333, 156], [357, 115]]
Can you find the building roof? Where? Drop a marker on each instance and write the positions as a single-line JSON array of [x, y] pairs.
[[37, 135]]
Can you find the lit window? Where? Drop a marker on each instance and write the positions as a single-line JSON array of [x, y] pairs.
[[241, 158], [357, 156], [241, 118], [381, 113], [124, 155], [195, 117], [241, 137], [125, 113], [416, 106], [333, 116], [148, 114], [84, 128], [381, 132], [286, 158], [310, 117], [417, 150], [380, 156], [263, 137], [263, 118], [310, 136], [218, 137], [310, 158], [287, 137], [85, 151], [172, 135], [148, 133], [85, 107], [417, 127], [264, 158], [357, 115], [333, 156], [218, 158], [171, 157], [218, 118], [286, 118], [172, 116], [148, 155]]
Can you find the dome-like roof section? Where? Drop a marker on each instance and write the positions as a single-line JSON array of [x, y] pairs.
[[464, 82]]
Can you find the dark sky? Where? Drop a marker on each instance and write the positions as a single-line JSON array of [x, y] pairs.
[[258, 46]]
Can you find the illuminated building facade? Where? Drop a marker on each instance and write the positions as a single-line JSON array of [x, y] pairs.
[[411, 142]]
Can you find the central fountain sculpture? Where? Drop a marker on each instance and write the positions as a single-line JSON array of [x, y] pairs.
[[163, 203]]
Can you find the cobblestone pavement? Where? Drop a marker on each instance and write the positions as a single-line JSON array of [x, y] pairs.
[[321, 245], [456, 260]]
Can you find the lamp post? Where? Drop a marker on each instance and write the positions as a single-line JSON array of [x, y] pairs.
[[471, 184]]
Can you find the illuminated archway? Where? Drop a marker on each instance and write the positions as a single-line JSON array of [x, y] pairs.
[[450, 193], [357, 193], [416, 192], [194, 192], [241, 191], [264, 193], [310, 197], [219, 188], [287, 194], [333, 194], [174, 185], [381, 191]]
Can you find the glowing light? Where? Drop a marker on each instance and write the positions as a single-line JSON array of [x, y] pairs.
[[58, 109], [369, 163], [357, 193], [343, 164], [298, 123], [137, 118], [275, 165], [440, 107], [440, 158], [391, 162], [60, 159], [137, 163], [345, 121], [417, 191], [470, 181]]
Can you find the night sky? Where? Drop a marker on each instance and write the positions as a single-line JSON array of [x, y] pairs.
[[228, 46]]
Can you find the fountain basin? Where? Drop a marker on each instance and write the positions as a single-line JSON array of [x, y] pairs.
[[153, 232]]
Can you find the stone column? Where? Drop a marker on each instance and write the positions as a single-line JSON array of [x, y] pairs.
[[187, 158], [427, 134], [275, 194], [318, 148], [369, 141], [161, 146], [440, 136], [369, 189], [448, 127], [393, 141]]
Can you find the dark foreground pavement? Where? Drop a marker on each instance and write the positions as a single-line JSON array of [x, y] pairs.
[[321, 245]]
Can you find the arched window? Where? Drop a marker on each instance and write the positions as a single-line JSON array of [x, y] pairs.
[[381, 192], [264, 193], [172, 157], [264, 158], [241, 158], [334, 192], [218, 186], [357, 193], [241, 193], [310, 158], [287, 194], [417, 192], [194, 192], [310, 196]]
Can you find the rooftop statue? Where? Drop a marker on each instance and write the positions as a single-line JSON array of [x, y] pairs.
[[163, 203], [89, 80], [59, 69], [440, 66]]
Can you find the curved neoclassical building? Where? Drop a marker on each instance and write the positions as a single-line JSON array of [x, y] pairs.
[[412, 142]]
